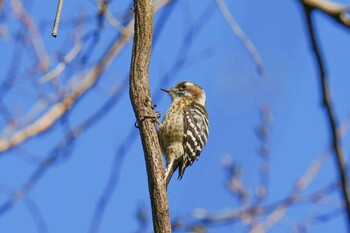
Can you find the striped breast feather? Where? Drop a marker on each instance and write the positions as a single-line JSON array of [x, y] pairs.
[[195, 131]]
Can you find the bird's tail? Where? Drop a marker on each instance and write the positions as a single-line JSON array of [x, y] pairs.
[[170, 168]]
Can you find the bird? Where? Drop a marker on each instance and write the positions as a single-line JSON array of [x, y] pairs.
[[184, 130]]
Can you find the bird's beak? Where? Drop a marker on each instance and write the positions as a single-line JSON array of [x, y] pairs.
[[166, 90]]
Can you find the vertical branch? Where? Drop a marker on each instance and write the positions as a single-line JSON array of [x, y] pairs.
[[142, 105], [330, 112]]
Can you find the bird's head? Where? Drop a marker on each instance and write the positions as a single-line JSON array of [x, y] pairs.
[[188, 90]]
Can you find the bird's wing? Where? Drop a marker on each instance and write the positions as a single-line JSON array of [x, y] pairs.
[[196, 129]]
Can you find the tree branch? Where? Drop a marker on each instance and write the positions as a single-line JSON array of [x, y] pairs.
[[56, 111], [335, 10], [143, 108], [330, 111]]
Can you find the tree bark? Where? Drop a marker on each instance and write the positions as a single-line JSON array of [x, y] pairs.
[[143, 109]]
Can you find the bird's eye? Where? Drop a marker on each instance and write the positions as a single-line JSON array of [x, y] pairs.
[[183, 87]]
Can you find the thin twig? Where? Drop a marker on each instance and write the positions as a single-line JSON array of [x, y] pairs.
[[302, 183], [57, 18], [330, 111], [32, 208], [238, 31], [82, 86], [264, 153], [227, 216], [58, 152], [61, 66], [34, 34]]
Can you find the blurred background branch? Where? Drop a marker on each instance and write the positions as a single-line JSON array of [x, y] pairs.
[[332, 119], [237, 30]]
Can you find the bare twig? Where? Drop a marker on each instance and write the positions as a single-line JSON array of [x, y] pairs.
[[335, 137], [37, 216], [302, 183], [142, 105], [237, 30], [263, 132], [113, 179], [60, 108], [60, 67], [32, 208], [57, 18], [227, 216], [235, 183], [114, 21], [57, 153], [281, 209], [35, 37]]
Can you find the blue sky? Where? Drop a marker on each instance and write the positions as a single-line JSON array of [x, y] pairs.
[[67, 194]]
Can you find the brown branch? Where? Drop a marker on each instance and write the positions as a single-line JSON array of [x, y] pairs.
[[143, 108], [335, 10], [330, 112]]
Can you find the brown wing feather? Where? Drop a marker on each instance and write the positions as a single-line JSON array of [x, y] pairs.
[[196, 129]]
